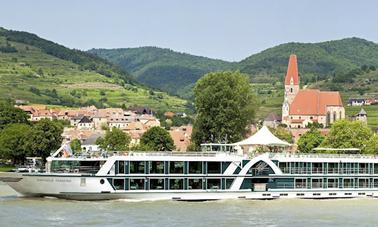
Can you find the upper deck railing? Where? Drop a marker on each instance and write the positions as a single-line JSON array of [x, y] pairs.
[[183, 154], [321, 155]]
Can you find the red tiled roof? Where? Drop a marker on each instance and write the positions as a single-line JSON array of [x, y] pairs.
[[314, 102], [292, 71]]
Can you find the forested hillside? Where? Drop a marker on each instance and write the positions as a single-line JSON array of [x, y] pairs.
[[41, 71], [176, 72], [165, 69]]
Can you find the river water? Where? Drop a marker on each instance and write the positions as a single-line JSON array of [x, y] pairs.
[[18, 211]]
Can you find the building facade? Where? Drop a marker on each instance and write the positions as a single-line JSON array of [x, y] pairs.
[[308, 106]]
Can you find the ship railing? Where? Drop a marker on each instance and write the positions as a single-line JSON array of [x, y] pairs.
[[191, 154], [285, 186], [78, 169], [320, 155], [299, 170]]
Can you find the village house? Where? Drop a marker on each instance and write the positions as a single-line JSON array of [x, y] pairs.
[[362, 101], [272, 120], [361, 116], [120, 123], [85, 123], [302, 107], [43, 114], [181, 136], [29, 110]]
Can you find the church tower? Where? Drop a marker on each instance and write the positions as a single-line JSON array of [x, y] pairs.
[[291, 86], [292, 79]]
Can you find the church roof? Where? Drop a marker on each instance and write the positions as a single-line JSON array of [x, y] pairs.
[[314, 102], [292, 71]]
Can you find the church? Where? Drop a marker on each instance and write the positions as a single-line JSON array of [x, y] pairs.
[[304, 106]]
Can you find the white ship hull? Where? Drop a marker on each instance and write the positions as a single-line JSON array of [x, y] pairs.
[[73, 187]]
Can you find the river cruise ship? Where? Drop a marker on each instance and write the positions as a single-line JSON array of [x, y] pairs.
[[196, 176]]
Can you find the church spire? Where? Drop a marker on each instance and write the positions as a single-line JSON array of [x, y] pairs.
[[292, 76]]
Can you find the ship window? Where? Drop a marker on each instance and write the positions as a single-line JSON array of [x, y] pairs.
[[136, 166], [195, 167], [348, 183], [102, 181], [121, 167], [317, 168], [300, 183], [176, 184], [375, 168], [119, 184], [363, 168], [332, 183], [136, 184], [317, 183], [213, 167], [214, 184], [195, 184], [157, 184], [176, 167], [157, 167], [363, 183], [229, 183]]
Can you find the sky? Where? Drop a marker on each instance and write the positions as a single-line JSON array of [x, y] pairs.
[[223, 29]]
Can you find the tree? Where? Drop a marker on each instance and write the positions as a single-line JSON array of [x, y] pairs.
[[371, 145], [75, 145], [157, 139], [114, 140], [13, 142], [310, 140], [347, 134], [10, 114], [225, 105], [45, 138], [283, 134]]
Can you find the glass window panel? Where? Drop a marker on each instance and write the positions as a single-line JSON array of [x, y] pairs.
[[213, 167], [195, 167], [157, 184], [121, 167], [229, 183], [333, 183], [119, 184], [195, 184], [157, 167], [176, 167], [137, 184], [348, 183], [214, 184], [136, 167], [176, 184]]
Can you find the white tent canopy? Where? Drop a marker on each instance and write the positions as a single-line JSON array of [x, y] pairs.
[[263, 137]]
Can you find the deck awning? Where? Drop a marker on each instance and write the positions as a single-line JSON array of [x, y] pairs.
[[263, 137]]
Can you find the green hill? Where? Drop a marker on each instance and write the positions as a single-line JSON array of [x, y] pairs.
[[316, 61], [177, 72], [164, 69], [40, 71]]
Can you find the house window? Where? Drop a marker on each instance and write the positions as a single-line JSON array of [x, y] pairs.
[[291, 90]]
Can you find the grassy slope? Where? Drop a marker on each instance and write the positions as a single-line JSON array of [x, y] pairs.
[[21, 70], [163, 68]]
